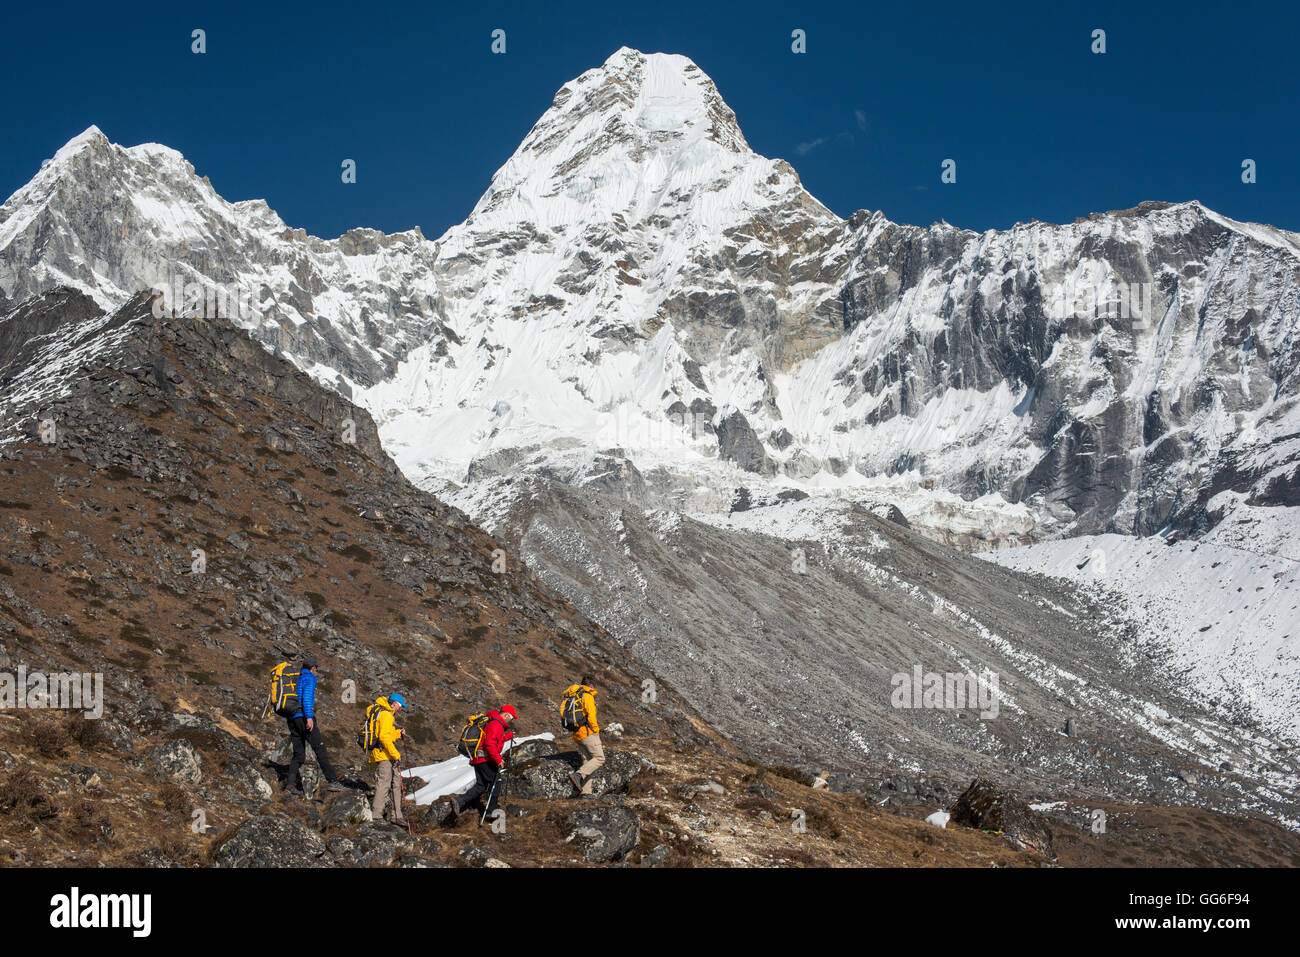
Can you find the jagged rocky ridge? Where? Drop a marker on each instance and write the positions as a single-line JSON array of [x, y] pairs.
[[637, 278]]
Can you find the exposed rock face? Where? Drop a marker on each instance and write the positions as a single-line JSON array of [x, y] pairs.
[[987, 807], [273, 842], [606, 833], [1125, 413], [27, 328], [738, 443], [1114, 374], [547, 776]]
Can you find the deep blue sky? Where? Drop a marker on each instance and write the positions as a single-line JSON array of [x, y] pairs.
[[1040, 127]]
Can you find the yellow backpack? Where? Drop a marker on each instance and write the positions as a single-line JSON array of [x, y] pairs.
[[284, 692], [368, 739]]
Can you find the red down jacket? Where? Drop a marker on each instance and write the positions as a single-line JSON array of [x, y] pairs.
[[495, 736]]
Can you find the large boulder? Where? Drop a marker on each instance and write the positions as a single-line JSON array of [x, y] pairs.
[[548, 776], [179, 760], [282, 752], [985, 806], [378, 845], [480, 857], [605, 832], [435, 814], [249, 779], [273, 842], [530, 750], [347, 809], [544, 777]]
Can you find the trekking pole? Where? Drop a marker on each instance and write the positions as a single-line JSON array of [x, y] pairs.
[[401, 783]]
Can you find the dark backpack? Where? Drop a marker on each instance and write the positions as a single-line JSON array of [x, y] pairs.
[[573, 715], [284, 692], [471, 736]]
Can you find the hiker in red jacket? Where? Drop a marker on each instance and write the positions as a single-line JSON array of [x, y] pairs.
[[487, 763]]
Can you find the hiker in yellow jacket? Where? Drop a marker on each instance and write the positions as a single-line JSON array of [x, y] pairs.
[[385, 758], [587, 737]]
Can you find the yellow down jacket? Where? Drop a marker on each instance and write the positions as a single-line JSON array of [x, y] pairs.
[[388, 735], [588, 708]]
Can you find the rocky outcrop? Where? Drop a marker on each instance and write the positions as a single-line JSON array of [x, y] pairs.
[[273, 842], [605, 832], [989, 808], [347, 809], [547, 776], [179, 761]]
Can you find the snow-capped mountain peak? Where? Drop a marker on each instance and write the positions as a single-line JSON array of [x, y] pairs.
[[112, 221], [640, 138], [636, 278]]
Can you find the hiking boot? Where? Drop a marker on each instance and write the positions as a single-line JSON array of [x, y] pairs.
[[575, 781], [455, 811], [336, 786]]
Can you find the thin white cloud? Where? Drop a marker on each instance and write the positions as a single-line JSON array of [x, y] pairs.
[[803, 149]]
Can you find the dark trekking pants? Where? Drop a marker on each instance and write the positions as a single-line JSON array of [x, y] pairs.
[[301, 737], [485, 777]]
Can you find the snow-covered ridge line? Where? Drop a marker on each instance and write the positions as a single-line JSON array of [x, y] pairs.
[[636, 280]]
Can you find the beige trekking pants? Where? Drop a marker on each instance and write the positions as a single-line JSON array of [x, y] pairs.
[[387, 784], [593, 754]]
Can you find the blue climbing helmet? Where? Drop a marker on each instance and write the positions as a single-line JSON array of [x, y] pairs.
[[397, 699]]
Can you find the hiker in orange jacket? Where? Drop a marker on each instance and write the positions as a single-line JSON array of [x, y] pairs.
[[586, 737]]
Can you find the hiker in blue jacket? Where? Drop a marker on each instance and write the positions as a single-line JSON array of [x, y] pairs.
[[304, 730]]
